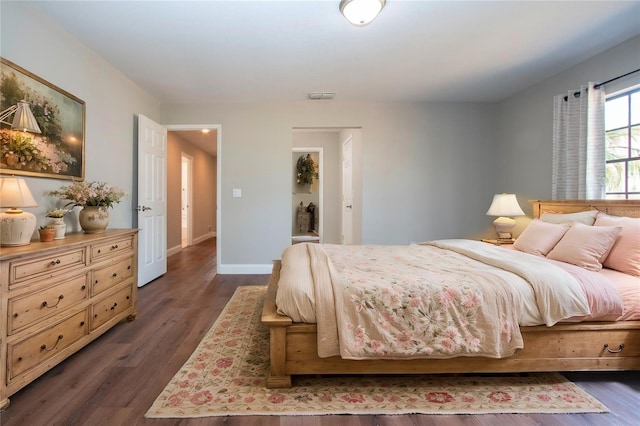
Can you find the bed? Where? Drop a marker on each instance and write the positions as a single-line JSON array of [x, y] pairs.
[[565, 346]]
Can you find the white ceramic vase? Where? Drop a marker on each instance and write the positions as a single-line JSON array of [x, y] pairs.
[[94, 220], [60, 227]]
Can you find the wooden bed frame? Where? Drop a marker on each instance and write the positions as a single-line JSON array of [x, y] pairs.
[[563, 347]]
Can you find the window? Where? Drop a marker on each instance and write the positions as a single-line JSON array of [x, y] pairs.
[[622, 144]]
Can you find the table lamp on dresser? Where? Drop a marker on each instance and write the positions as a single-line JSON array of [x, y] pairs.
[[16, 226]]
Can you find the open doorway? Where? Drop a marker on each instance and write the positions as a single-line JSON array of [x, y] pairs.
[[307, 195], [334, 206], [192, 186]]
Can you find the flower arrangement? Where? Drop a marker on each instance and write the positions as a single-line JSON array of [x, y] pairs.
[[32, 153], [98, 194], [305, 169], [57, 213]]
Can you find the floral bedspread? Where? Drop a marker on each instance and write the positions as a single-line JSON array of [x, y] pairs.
[[403, 302]]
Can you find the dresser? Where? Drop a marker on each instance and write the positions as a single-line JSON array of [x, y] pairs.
[[59, 296]]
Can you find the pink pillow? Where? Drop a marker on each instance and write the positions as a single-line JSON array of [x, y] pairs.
[[585, 246], [625, 253], [540, 237]]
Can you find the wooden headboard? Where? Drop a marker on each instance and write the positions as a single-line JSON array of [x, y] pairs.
[[629, 208]]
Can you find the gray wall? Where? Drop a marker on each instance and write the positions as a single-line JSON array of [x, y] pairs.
[[112, 103], [428, 170], [524, 125]]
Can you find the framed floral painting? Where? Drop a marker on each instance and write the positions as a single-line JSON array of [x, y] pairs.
[[56, 152]]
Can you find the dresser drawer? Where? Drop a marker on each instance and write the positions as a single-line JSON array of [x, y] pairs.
[[39, 347], [46, 265], [583, 344], [26, 309], [99, 251], [111, 275], [111, 306]]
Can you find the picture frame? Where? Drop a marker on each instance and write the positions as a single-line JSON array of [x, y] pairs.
[[58, 152]]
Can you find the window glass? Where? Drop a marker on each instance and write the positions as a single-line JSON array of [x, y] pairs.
[[635, 108], [634, 176], [617, 144], [622, 145], [615, 177], [616, 113], [635, 141]]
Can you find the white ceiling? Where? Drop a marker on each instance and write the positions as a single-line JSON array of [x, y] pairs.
[[222, 51]]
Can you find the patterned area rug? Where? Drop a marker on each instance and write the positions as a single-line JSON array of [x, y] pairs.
[[225, 376]]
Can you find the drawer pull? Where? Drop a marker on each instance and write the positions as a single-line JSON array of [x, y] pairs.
[[114, 306], [81, 323], [55, 262], [46, 305], [44, 347], [128, 267], [115, 274], [620, 347], [114, 247], [83, 287]]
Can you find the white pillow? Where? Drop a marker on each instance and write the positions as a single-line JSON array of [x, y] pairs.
[[585, 246], [587, 217], [540, 237]]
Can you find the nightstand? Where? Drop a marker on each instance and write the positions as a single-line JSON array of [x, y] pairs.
[[498, 242]]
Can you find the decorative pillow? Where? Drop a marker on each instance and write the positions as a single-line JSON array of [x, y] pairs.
[[625, 253], [585, 246], [540, 237], [587, 217]]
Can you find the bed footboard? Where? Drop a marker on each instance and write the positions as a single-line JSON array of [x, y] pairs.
[[604, 346]]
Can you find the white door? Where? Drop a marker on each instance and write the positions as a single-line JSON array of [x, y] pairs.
[[152, 200], [187, 213], [347, 191]]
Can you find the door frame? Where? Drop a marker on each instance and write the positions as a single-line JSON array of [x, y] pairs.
[[343, 221], [218, 128]]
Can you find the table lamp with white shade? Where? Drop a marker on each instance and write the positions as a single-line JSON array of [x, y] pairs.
[[16, 226], [504, 206]]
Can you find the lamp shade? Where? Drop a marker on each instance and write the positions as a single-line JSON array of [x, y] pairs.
[[505, 205], [361, 12], [14, 192], [24, 119]]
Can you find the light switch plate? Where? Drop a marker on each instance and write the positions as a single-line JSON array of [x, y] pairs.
[[237, 193]]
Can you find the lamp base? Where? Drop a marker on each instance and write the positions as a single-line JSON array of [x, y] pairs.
[[504, 226], [16, 228]]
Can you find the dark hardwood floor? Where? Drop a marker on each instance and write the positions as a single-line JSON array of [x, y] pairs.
[[114, 380]]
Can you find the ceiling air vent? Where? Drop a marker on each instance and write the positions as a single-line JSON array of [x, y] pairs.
[[319, 96]]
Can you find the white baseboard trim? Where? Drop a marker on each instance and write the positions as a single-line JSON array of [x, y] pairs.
[[178, 249], [244, 269], [203, 237], [174, 250]]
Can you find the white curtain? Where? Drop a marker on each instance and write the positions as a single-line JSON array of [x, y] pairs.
[[579, 145]]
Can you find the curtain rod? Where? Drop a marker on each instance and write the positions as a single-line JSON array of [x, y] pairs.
[[597, 86]]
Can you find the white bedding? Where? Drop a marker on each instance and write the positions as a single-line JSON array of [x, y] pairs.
[[541, 292]]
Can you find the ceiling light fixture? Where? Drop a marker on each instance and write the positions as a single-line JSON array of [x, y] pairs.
[[361, 12]]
